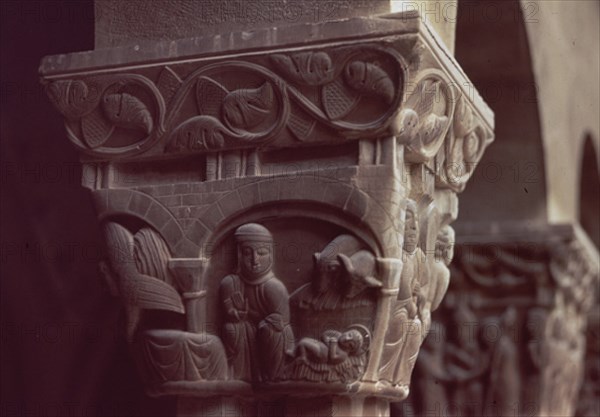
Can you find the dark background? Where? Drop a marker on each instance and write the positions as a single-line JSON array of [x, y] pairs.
[[61, 349]]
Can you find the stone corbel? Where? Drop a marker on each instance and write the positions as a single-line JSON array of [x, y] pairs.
[[352, 137]]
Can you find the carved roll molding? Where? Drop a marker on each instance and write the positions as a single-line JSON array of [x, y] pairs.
[[276, 204]]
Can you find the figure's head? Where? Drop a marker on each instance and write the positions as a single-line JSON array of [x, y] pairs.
[[328, 268], [351, 341], [411, 228], [444, 245], [328, 272], [255, 250]]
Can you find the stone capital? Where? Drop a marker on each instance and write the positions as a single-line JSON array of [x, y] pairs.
[[348, 140]]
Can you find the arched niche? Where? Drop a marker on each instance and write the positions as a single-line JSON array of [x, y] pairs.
[[492, 47], [297, 236], [589, 191]]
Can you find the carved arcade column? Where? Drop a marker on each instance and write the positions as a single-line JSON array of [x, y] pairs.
[[276, 206], [510, 336]]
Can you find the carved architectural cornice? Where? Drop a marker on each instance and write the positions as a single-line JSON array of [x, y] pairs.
[[518, 307], [210, 158]]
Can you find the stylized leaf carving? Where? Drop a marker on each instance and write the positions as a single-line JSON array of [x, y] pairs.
[[73, 98], [210, 96], [301, 125], [96, 129], [463, 118], [168, 83], [338, 100], [125, 110], [249, 107], [197, 133], [308, 68], [369, 79]]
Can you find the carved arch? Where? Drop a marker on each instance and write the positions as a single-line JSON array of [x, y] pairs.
[[144, 207], [338, 203]]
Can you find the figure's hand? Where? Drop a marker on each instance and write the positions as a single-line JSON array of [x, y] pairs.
[[330, 340], [239, 302]]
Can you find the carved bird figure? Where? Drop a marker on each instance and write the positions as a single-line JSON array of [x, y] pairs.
[[417, 124], [248, 107], [369, 79]]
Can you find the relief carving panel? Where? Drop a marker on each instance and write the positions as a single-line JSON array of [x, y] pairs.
[[278, 218]]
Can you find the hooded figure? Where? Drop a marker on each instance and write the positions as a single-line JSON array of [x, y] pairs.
[[257, 332]]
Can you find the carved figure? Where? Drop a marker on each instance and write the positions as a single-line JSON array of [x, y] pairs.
[[439, 275], [503, 388], [431, 377], [344, 270], [333, 348], [338, 356], [404, 335], [257, 332], [466, 362]]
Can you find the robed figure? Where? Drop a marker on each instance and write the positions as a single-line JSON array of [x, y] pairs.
[[257, 332]]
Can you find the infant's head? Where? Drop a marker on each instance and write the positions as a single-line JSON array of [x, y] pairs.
[[351, 341]]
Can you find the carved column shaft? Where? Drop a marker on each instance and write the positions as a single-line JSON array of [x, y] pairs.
[[277, 206]]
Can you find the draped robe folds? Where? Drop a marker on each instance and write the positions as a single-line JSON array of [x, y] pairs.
[[174, 355], [404, 327], [259, 335]]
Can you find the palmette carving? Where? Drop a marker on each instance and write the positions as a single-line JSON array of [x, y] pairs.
[[227, 118], [73, 98], [125, 110], [309, 68], [110, 115]]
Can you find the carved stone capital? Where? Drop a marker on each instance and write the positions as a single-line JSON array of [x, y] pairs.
[[276, 203], [510, 337]]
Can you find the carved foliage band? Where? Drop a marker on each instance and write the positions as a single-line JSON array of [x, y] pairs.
[[235, 104]]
